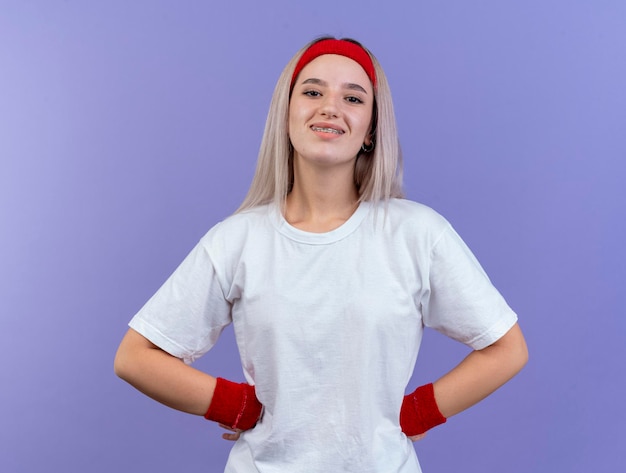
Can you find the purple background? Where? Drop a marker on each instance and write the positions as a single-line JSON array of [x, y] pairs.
[[127, 129]]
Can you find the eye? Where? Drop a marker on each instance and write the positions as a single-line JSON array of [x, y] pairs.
[[312, 93], [353, 99]]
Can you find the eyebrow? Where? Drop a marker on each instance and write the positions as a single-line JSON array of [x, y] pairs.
[[347, 85]]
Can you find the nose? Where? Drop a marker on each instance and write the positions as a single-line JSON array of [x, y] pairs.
[[329, 106]]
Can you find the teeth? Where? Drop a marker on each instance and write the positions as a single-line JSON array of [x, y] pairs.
[[327, 130]]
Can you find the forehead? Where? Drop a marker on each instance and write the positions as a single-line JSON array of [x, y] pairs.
[[335, 68]]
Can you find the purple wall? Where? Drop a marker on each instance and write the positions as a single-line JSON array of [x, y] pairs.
[[127, 129]]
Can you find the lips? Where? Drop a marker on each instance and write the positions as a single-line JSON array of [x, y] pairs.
[[327, 128]]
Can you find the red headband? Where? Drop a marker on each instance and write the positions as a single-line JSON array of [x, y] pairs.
[[342, 48]]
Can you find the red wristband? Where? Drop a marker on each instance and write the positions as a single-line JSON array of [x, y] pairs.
[[419, 411], [234, 404]]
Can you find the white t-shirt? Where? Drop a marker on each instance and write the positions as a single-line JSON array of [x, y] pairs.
[[328, 327]]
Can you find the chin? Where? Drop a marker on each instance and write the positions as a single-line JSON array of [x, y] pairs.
[[329, 158]]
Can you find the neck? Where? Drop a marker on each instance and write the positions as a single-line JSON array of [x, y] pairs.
[[322, 198]]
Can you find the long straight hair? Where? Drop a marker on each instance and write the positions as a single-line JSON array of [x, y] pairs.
[[377, 173]]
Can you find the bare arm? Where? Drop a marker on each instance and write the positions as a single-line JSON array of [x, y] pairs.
[[481, 373], [161, 376]]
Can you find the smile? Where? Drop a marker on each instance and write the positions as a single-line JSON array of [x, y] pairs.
[[326, 130]]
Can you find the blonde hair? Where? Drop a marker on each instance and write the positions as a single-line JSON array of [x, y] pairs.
[[377, 173]]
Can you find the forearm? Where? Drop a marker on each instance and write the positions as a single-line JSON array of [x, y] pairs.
[[163, 377], [481, 373]]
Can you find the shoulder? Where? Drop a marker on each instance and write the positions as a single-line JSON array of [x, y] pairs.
[[403, 213], [236, 228], [246, 218], [410, 207], [407, 224]]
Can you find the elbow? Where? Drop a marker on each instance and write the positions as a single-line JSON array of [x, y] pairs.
[[523, 355], [127, 355], [520, 360], [520, 352], [120, 366], [125, 362], [513, 351]]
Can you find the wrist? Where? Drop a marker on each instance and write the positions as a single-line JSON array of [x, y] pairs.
[[234, 405], [420, 412]]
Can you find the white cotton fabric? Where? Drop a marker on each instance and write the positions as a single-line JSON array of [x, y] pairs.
[[328, 327]]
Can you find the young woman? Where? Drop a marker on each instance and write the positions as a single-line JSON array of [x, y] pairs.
[[329, 278]]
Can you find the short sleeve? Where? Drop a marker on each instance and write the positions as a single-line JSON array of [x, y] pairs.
[[462, 302], [186, 316]]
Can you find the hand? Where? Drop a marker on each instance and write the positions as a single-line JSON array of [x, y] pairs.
[[232, 437]]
